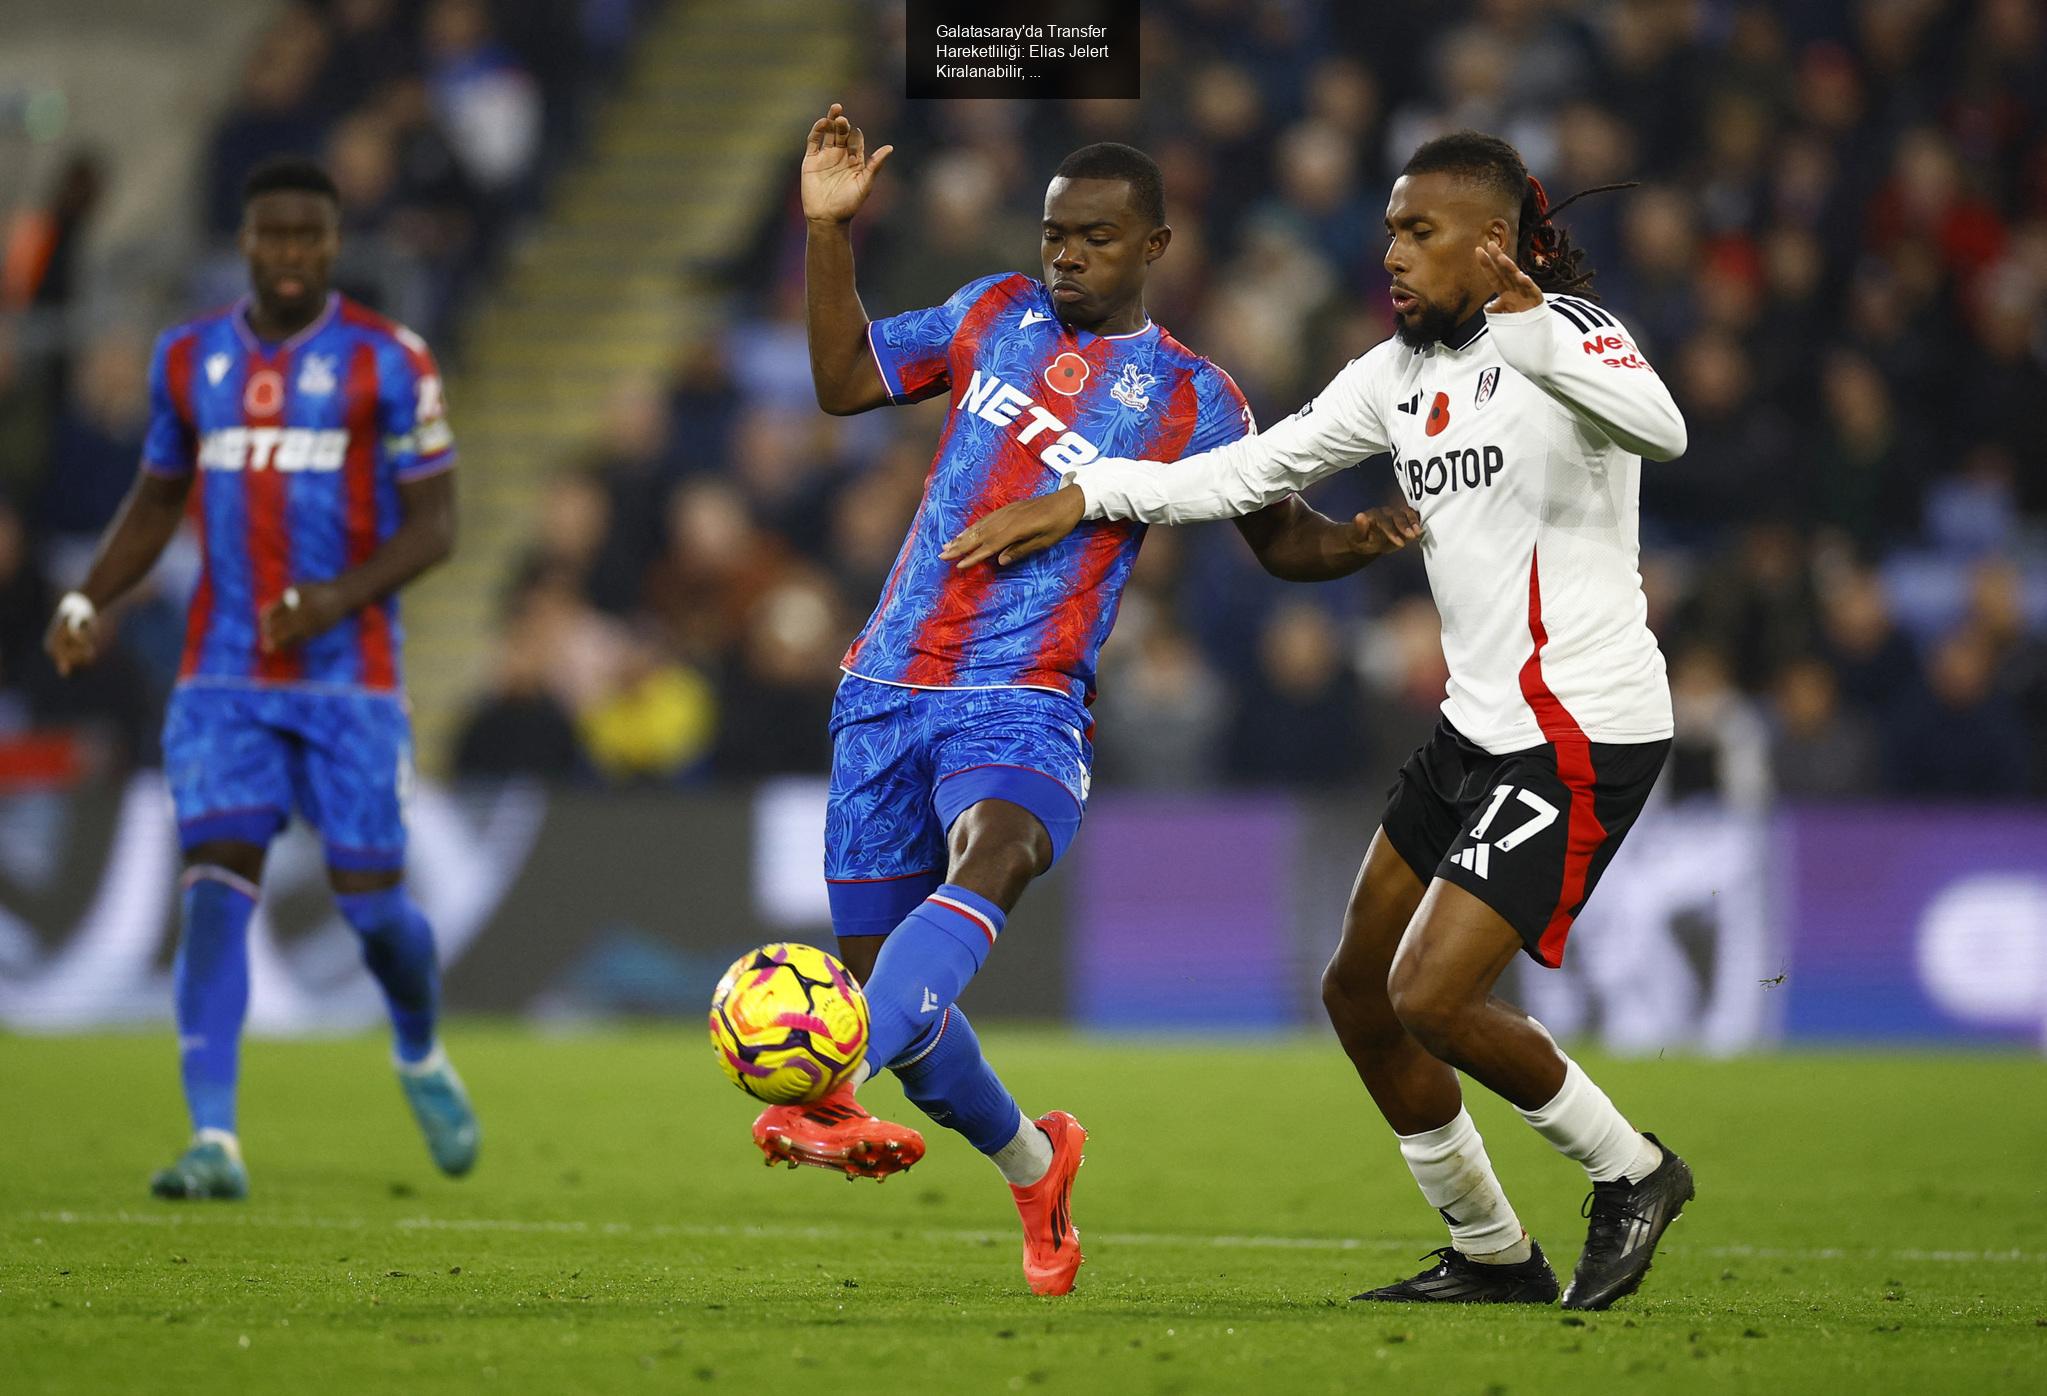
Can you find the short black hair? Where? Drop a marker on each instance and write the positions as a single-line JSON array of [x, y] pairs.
[[1114, 160], [1541, 249], [1484, 160], [294, 172]]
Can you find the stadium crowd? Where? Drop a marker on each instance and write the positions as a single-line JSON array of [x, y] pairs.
[[1837, 255]]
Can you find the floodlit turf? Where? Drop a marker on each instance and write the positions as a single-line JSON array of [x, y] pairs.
[[1864, 1224]]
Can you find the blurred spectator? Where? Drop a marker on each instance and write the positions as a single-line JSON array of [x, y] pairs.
[[1997, 609], [1301, 722], [1872, 660], [1164, 712], [40, 265], [1957, 735], [717, 566], [777, 700], [1756, 605], [520, 728], [1722, 747], [98, 439], [1818, 749], [657, 725], [487, 101], [1860, 465], [275, 113]]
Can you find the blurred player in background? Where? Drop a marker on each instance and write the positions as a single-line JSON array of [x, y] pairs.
[[961, 746], [312, 433], [1517, 412]]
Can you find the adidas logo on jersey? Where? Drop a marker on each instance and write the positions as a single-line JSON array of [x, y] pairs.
[[288, 449], [998, 404]]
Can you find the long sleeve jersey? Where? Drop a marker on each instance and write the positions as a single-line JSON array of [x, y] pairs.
[[1520, 441]]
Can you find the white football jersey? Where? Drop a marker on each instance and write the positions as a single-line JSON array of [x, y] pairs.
[[1521, 446]]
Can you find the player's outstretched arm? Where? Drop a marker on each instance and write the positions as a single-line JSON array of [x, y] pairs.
[[425, 536], [1297, 543], [1596, 371], [1332, 433], [838, 174], [1015, 531], [144, 526]]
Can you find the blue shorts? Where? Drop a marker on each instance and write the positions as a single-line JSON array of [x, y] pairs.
[[241, 758], [907, 762]]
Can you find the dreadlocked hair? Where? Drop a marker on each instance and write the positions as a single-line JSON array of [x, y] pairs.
[[1542, 249]]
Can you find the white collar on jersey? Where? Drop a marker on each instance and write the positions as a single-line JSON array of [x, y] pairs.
[[240, 315]]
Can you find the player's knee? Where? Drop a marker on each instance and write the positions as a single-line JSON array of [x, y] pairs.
[[1356, 1003], [244, 860], [997, 858], [858, 954], [1428, 1013], [382, 913], [357, 882]]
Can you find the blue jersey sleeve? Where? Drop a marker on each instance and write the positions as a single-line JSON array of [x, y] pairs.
[[1222, 415], [913, 350], [168, 443], [412, 410]]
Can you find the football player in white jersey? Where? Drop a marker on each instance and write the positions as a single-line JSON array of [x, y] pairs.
[[1517, 412]]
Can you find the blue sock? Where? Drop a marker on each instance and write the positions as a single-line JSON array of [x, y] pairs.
[[211, 974], [948, 1079], [398, 947], [922, 967]]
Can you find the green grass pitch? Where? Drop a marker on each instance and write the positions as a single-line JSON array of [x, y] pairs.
[[1864, 1224]]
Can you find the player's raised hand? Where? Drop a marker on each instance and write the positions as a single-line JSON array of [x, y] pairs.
[[1385, 529], [73, 639], [1015, 531], [838, 173], [1514, 290], [297, 616]]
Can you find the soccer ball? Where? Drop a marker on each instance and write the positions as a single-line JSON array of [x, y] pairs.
[[788, 1023]]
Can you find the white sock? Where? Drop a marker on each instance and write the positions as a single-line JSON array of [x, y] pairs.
[[1451, 1166], [222, 1137], [859, 1076], [1583, 1124], [433, 1061], [1028, 1156]]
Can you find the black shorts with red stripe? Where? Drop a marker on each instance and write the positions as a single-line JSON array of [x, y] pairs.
[[1527, 833]]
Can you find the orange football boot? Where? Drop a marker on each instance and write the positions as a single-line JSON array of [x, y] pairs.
[[1051, 1254], [836, 1132]]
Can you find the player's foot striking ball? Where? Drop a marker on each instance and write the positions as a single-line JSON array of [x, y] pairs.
[[961, 737], [1518, 412], [1627, 1220], [1455, 1278], [309, 436], [210, 1168], [836, 1132]]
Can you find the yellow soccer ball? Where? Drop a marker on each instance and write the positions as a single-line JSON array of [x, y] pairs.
[[788, 1023]]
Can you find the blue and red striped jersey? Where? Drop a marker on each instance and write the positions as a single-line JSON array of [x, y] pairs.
[[1032, 399], [298, 448]]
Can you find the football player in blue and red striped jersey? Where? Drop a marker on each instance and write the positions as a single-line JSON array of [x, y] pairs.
[[961, 736], [306, 436]]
